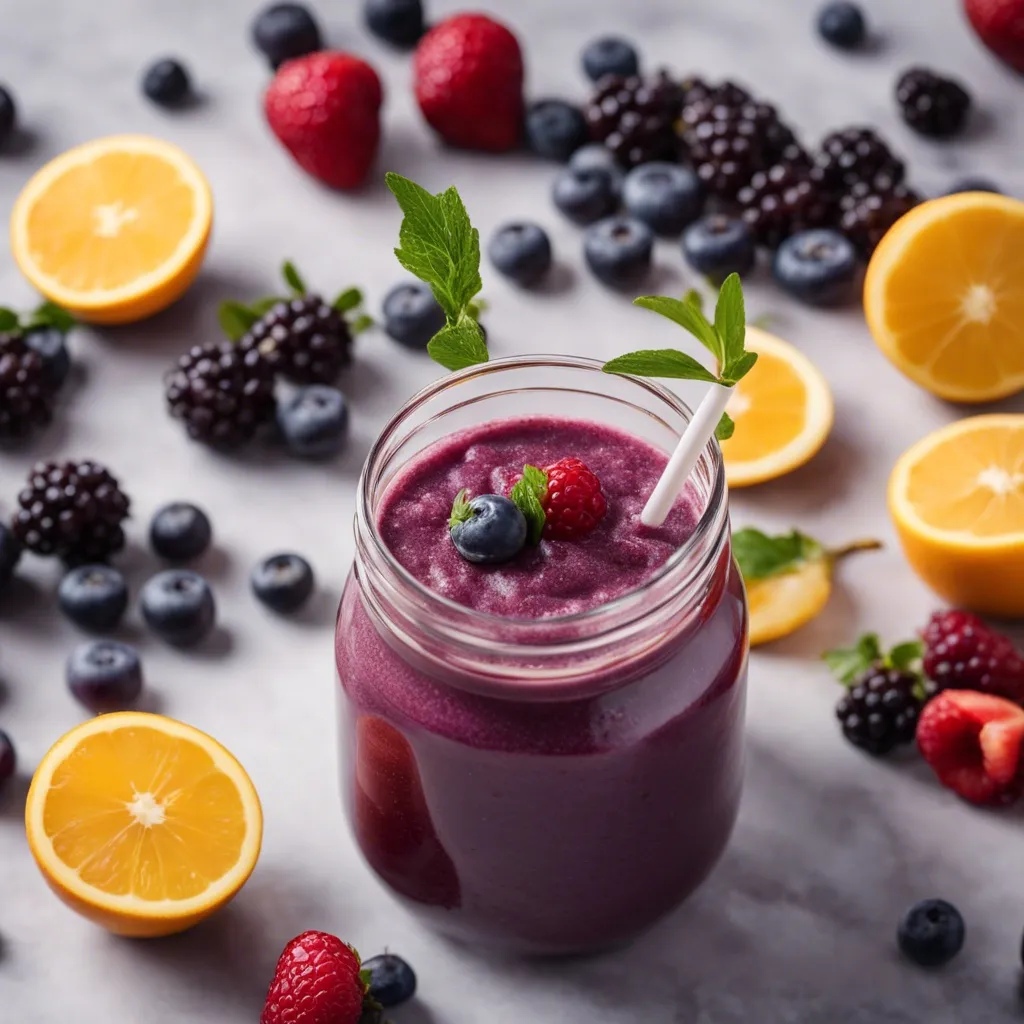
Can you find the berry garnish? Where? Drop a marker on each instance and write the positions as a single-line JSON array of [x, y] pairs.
[[600, 157], [283, 582], [26, 390], [717, 246], [555, 129], [783, 200], [817, 266], [487, 529], [178, 607], [856, 155], [314, 421], [885, 693], [618, 250], [610, 55], [324, 108], [868, 211], [105, 675], [1000, 26], [636, 117], [931, 933], [521, 251], [398, 22], [666, 197], [962, 652], [972, 742], [584, 194], [94, 597], [932, 105], [842, 24], [318, 980], [468, 76], [284, 31], [573, 502], [392, 980], [8, 115], [166, 83], [73, 510], [412, 316], [50, 344], [10, 554], [180, 532], [8, 758]]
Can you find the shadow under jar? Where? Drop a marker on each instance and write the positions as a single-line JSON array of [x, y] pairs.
[[549, 784]]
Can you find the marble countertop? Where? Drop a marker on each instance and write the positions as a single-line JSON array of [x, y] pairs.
[[797, 924]]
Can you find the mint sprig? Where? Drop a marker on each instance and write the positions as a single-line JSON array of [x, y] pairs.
[[849, 664], [528, 493], [760, 556], [439, 245], [46, 314], [462, 511]]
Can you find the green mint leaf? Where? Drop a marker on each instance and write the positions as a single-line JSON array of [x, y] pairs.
[[528, 493], [458, 345], [235, 319], [726, 427], [904, 657], [462, 511], [848, 663], [262, 306], [663, 362], [293, 278], [361, 323], [694, 298], [348, 299], [731, 320], [760, 556], [8, 320], [738, 369], [688, 316], [49, 314]]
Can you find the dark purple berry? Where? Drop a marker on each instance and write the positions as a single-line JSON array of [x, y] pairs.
[[93, 597], [105, 675], [932, 933], [283, 582], [178, 607], [283, 31], [610, 55], [180, 532]]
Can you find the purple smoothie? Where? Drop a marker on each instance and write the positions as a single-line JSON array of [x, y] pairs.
[[554, 825]]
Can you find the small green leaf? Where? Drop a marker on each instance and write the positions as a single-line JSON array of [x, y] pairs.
[[731, 320], [848, 663], [665, 362], [9, 320], [348, 299], [528, 493], [905, 657], [688, 316], [263, 306], [726, 427], [760, 556], [49, 314], [459, 345], [462, 511], [694, 298], [235, 319], [738, 369], [361, 323], [293, 278]]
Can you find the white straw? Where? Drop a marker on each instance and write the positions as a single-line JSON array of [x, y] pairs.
[[697, 434]]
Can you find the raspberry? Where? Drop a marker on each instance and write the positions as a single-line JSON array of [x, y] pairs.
[[964, 653], [574, 504]]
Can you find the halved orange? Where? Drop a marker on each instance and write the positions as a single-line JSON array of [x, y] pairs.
[[957, 499], [113, 230], [783, 413], [944, 296], [142, 824]]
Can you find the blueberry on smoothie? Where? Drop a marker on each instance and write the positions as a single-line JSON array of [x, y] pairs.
[[487, 529], [585, 194], [521, 251], [666, 197], [932, 933]]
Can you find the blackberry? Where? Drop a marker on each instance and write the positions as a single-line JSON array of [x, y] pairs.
[[932, 105], [853, 155], [636, 117], [222, 393], [73, 510], [303, 339], [881, 709], [27, 389], [867, 212], [783, 200]]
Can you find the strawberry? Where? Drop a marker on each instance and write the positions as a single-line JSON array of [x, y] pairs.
[[574, 504], [468, 73], [317, 980], [325, 110], [1000, 26], [973, 743]]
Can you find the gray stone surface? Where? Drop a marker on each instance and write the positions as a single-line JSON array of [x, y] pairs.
[[797, 924]]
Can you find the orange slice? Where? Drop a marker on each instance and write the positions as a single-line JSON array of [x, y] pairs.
[[957, 499], [783, 413], [142, 824], [944, 296], [114, 230]]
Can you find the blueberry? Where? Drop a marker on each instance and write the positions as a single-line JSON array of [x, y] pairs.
[[180, 531], [597, 155], [313, 421], [392, 980], [105, 675], [10, 554], [178, 606], [666, 197], [521, 251], [586, 195], [717, 246], [932, 933], [399, 22], [842, 24], [283, 582], [555, 129], [610, 55], [283, 31], [93, 597], [972, 184], [8, 759], [412, 316], [51, 346], [166, 82], [8, 115], [818, 267], [492, 530], [618, 250]]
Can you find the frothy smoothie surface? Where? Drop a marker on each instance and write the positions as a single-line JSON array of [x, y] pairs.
[[556, 577]]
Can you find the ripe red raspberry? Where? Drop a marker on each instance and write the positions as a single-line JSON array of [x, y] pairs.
[[316, 981], [325, 109], [964, 653], [574, 504], [469, 83]]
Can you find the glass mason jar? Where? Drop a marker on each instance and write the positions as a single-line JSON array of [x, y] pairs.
[[542, 785]]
